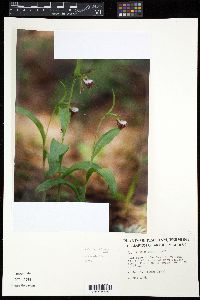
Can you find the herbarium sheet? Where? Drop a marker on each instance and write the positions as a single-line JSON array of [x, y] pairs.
[[100, 168]]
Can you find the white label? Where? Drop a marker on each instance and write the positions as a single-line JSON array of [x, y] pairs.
[[60, 216]]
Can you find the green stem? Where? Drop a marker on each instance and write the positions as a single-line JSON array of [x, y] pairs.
[[85, 188], [65, 92], [51, 117], [46, 133], [44, 151], [84, 192], [109, 112], [131, 190], [69, 100], [44, 143], [132, 187], [43, 167], [76, 73], [96, 135], [71, 91]]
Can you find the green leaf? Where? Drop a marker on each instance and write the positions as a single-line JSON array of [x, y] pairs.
[[119, 196], [81, 193], [85, 165], [63, 111], [64, 116], [104, 140], [45, 153], [132, 189], [57, 150], [75, 181], [65, 92], [54, 166], [108, 177], [49, 183], [77, 70], [89, 173], [34, 119], [112, 114]]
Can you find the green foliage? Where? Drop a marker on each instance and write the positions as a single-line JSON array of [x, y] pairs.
[[34, 119], [49, 183], [77, 71], [116, 74], [107, 175], [90, 168], [45, 154], [113, 103], [65, 92], [57, 150], [85, 165], [104, 140], [64, 115], [132, 189], [63, 111]]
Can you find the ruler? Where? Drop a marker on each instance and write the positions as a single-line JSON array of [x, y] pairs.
[[59, 9]]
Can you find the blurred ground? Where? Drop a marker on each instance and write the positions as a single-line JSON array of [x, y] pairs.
[[127, 155]]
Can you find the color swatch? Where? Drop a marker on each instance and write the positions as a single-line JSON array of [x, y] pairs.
[[130, 9]]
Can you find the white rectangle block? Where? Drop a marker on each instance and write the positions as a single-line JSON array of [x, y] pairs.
[[60, 216], [112, 45]]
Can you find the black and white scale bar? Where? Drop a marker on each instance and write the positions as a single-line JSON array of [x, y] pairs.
[[100, 287], [59, 9]]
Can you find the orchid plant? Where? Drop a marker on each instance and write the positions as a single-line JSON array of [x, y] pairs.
[[58, 174]]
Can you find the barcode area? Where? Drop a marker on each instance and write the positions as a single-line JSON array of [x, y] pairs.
[[100, 287]]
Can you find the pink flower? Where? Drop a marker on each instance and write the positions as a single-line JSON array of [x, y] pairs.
[[74, 110], [121, 124], [89, 83]]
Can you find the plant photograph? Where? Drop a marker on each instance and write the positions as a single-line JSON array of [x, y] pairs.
[[81, 131]]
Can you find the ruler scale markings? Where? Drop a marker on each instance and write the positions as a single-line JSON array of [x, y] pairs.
[[55, 9]]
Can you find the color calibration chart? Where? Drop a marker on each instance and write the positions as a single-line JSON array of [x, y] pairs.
[[130, 9]]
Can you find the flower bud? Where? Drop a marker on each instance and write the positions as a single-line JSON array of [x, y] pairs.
[[74, 110], [122, 124], [89, 83]]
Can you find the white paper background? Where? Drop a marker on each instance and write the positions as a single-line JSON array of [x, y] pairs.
[[172, 196]]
